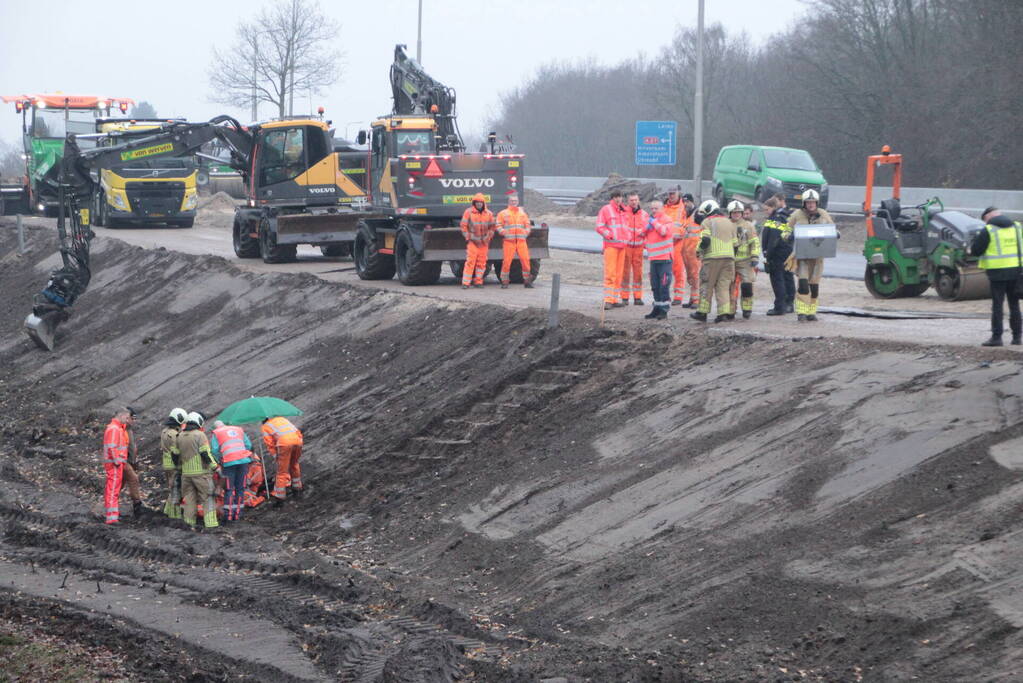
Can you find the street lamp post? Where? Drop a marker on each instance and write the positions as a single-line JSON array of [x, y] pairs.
[[419, 35], [698, 110]]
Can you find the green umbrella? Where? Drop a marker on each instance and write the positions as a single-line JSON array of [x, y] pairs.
[[256, 409]]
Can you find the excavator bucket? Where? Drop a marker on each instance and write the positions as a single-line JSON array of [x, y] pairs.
[[43, 330]]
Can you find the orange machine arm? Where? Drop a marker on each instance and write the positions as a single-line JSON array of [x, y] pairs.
[[873, 161]]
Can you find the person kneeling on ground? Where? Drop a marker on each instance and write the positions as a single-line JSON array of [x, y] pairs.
[[1000, 248], [659, 249]]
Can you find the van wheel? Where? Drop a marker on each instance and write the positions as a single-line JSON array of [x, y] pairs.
[[759, 195], [719, 196]]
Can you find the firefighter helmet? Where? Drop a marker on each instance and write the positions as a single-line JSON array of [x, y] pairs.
[[708, 207], [735, 205], [811, 196], [196, 419], [179, 415]]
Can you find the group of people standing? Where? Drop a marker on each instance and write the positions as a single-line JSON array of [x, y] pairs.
[[717, 253], [216, 476], [479, 225]]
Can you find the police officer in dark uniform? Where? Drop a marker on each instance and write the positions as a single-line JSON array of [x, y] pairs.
[[776, 242], [1000, 248]]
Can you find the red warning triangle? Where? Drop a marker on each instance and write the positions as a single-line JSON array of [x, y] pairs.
[[433, 170]]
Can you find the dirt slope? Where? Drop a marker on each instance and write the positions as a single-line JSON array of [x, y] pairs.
[[495, 500]]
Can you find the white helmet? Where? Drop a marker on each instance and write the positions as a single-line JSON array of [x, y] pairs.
[[735, 205], [708, 207], [811, 196], [179, 415], [195, 418]]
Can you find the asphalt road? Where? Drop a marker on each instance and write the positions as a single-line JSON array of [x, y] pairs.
[[844, 265]]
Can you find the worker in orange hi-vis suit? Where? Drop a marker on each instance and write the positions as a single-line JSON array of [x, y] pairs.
[[609, 226], [636, 220], [688, 254], [115, 458], [478, 229], [284, 442], [513, 226], [680, 214]]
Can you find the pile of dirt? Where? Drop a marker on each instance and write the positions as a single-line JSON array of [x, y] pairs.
[[490, 498], [219, 203], [591, 203], [537, 204]]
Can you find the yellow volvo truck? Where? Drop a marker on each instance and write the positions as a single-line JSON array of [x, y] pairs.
[[143, 190]]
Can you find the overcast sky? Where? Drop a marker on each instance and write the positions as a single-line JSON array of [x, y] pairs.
[[161, 52]]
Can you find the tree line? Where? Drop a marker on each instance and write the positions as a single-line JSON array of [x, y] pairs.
[[938, 80]]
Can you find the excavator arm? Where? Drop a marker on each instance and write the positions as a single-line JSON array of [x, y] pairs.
[[416, 92], [52, 305]]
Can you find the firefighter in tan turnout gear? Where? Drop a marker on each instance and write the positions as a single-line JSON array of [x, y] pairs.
[[808, 271], [747, 255], [718, 241], [197, 467], [170, 455]]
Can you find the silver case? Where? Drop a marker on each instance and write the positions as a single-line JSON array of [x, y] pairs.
[[815, 241]]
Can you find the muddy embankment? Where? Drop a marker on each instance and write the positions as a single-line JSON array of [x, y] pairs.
[[491, 499]]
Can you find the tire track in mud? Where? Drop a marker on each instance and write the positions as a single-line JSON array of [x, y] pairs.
[[354, 637]]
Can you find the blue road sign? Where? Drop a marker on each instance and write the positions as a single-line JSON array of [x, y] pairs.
[[656, 142]]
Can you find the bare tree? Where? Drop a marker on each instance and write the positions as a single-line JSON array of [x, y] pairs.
[[286, 48], [143, 110]]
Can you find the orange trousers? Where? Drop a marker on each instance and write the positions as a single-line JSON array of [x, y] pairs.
[[289, 472], [614, 261], [112, 492], [475, 262], [632, 274], [511, 248], [685, 267]]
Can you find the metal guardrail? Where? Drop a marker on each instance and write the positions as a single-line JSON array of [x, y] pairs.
[[842, 198]]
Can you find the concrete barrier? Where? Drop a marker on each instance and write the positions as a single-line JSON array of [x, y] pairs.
[[842, 198]]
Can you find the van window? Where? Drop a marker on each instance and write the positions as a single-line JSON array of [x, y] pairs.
[[754, 160], [795, 159]]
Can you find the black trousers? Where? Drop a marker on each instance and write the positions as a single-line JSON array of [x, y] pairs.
[[1000, 291], [783, 283]]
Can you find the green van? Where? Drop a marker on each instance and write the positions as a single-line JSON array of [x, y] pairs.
[[756, 172]]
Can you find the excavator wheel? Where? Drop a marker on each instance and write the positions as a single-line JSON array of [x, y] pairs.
[[883, 282], [409, 263], [244, 244], [336, 250], [270, 250], [370, 264], [515, 272], [458, 267]]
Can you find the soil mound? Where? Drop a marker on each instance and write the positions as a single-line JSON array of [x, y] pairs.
[[218, 203], [538, 204], [591, 203]]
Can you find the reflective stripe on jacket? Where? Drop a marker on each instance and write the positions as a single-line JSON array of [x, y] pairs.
[[609, 225], [278, 431], [801, 217], [1003, 251], [635, 227], [749, 243], [195, 452], [169, 446], [721, 233], [231, 446], [115, 443], [513, 224], [478, 224], [659, 237]]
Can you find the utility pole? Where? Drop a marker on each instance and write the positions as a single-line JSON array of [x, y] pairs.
[[698, 110], [419, 35], [255, 76]]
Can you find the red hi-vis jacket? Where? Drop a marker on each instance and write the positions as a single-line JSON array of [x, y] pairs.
[[115, 443], [231, 446], [658, 237], [610, 225], [513, 224], [278, 431], [635, 226]]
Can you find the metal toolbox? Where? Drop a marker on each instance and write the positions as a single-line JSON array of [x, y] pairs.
[[815, 241]]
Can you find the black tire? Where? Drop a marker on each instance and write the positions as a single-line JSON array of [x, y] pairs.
[[336, 250], [269, 249], [759, 195], [411, 268], [458, 267], [515, 272], [719, 196], [947, 284], [882, 282], [244, 245], [370, 264]]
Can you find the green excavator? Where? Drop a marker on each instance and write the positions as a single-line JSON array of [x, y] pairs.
[[910, 249]]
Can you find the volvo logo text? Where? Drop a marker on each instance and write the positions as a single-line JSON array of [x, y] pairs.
[[323, 190], [467, 182]]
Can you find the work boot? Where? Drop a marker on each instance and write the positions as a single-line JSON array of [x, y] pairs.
[[479, 286], [276, 502], [775, 311], [801, 317], [995, 340], [747, 314], [701, 317], [620, 304], [637, 302], [136, 508], [504, 285], [723, 318], [465, 286], [677, 302], [607, 306], [812, 318], [528, 284], [662, 314], [652, 314], [789, 308]]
